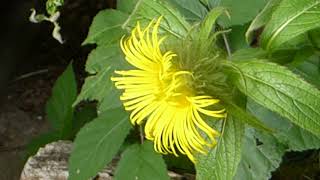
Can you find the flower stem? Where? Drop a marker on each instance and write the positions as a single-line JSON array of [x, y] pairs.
[[225, 39], [141, 134]]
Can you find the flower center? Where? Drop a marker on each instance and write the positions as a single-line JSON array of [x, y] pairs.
[[177, 87]]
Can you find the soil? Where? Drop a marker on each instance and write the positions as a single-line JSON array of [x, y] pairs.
[[22, 117]]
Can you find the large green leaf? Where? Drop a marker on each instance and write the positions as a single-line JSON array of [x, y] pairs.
[[141, 162], [83, 115], [261, 19], [298, 139], [241, 12], [192, 10], [59, 107], [310, 71], [259, 159], [105, 56], [110, 101], [110, 25], [97, 143], [245, 117], [96, 87], [127, 6], [250, 53], [237, 38], [290, 19], [302, 55], [262, 152], [222, 161], [286, 133], [281, 91], [314, 37], [173, 22], [106, 27], [101, 64]]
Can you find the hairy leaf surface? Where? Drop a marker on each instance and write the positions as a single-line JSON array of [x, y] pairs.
[[259, 159], [240, 12], [290, 19], [281, 91], [261, 19], [97, 143], [192, 10], [59, 107], [141, 162], [222, 161], [289, 135]]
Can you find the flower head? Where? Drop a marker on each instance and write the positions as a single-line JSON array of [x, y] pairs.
[[161, 95]]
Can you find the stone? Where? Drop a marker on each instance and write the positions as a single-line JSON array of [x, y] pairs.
[[51, 163]]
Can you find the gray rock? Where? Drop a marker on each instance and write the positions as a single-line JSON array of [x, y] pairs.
[[51, 163]]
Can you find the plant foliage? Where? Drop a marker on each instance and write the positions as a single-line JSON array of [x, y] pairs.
[[269, 67]]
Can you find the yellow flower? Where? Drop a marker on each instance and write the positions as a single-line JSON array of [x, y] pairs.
[[161, 94]]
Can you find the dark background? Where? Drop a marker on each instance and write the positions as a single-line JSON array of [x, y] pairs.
[[26, 47], [30, 62]]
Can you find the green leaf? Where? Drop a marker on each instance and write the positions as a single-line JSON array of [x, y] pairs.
[[205, 36], [222, 161], [99, 87], [289, 135], [97, 143], [290, 19], [84, 115], [298, 139], [208, 23], [302, 55], [314, 36], [110, 101], [173, 22], [110, 25], [101, 62], [237, 38], [261, 19], [309, 70], [281, 91], [96, 87], [245, 117], [241, 12], [59, 107], [105, 56], [292, 52], [106, 27], [191, 10], [259, 159], [250, 53], [141, 162], [127, 6]]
